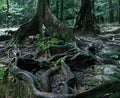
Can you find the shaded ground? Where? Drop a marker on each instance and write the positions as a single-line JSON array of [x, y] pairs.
[[86, 53], [2, 30]]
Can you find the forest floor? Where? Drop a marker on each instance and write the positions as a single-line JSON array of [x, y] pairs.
[[84, 76], [2, 30]]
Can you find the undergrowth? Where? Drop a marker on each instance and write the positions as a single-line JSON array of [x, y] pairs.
[[12, 87], [43, 44]]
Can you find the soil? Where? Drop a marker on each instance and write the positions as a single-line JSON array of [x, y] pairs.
[[82, 76]]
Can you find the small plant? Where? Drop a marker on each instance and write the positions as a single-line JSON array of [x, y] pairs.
[[57, 62], [43, 44], [115, 56], [90, 69], [92, 82], [116, 94], [12, 86], [78, 78], [2, 72]]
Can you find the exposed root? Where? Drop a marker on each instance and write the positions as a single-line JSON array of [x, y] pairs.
[[45, 78]]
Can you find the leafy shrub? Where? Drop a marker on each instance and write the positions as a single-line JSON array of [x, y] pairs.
[[43, 44], [2, 72]]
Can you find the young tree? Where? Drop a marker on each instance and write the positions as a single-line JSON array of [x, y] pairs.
[[7, 12], [118, 11], [44, 17], [61, 10], [48, 1], [111, 17], [86, 19], [57, 8]]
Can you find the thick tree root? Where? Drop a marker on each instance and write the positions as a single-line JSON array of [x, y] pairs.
[[70, 77], [76, 58], [95, 92], [56, 57], [45, 78]]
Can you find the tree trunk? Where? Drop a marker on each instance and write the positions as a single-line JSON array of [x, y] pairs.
[[48, 2], [119, 11], [93, 5], [61, 16], [86, 19], [82, 1], [45, 17], [7, 12], [57, 8], [29, 28], [111, 17], [49, 20]]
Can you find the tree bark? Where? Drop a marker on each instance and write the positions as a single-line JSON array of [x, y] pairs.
[[45, 17], [57, 8], [48, 1], [29, 28], [93, 5], [61, 16], [7, 12], [118, 11], [111, 17], [86, 19]]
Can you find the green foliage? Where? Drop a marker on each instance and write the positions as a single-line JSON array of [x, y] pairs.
[[12, 87], [92, 82], [57, 62], [101, 9], [19, 12], [115, 56], [78, 78], [118, 62], [2, 72], [4, 89], [115, 94], [44, 43]]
